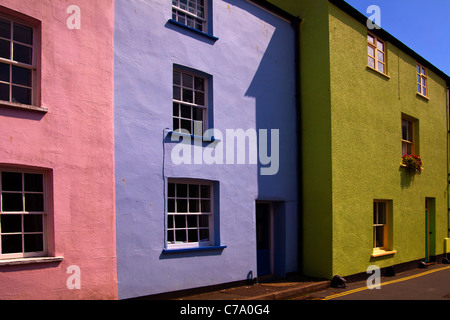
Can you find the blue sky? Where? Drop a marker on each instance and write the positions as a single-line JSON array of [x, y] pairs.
[[422, 25]]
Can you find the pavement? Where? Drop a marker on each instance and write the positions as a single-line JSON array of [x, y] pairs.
[[265, 289], [302, 288]]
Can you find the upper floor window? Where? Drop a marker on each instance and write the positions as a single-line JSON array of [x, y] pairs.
[[376, 53], [17, 62], [422, 80], [191, 13], [409, 145], [23, 214], [189, 102]]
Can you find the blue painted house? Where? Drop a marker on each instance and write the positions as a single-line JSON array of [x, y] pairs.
[[205, 144]]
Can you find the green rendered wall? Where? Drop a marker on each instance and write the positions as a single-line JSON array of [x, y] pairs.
[[316, 134], [366, 110], [351, 146]]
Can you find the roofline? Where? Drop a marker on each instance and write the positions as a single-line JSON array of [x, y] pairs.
[[354, 13], [266, 5]]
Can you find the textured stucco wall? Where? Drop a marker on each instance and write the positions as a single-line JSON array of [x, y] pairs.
[[75, 141], [253, 77], [316, 134], [366, 150]]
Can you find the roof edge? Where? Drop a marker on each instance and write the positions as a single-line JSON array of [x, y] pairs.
[[354, 13]]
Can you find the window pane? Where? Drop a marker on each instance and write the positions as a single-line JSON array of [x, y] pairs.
[[176, 78], [206, 206], [186, 111], [23, 54], [34, 202], [171, 189], [170, 238], [192, 235], [379, 236], [32, 223], [11, 243], [4, 92], [21, 76], [4, 72], [12, 202], [381, 56], [419, 88], [205, 191], [204, 234], [186, 125], [181, 191], [180, 235], [181, 205], [10, 223], [380, 45], [176, 124], [194, 205], [21, 95], [5, 29], [33, 182], [33, 242], [423, 71], [424, 91], [380, 67], [371, 51], [5, 49], [11, 181], [371, 62], [198, 114], [188, 81], [200, 98], [176, 93], [370, 38], [188, 95], [180, 221], [23, 34], [381, 213], [194, 191], [171, 205], [170, 221], [424, 81], [199, 84], [203, 221], [176, 109], [192, 221], [418, 69]]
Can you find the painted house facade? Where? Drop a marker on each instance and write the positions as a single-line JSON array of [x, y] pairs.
[[205, 144], [367, 100], [57, 221]]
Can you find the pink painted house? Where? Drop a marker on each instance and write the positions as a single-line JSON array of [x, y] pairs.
[[57, 214]]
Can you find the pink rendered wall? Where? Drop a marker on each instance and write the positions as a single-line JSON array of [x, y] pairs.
[[75, 139]]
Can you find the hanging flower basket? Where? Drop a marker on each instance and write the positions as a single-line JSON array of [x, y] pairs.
[[412, 162]]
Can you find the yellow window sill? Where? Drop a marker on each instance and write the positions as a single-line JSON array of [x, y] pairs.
[[380, 253], [422, 96], [378, 72]]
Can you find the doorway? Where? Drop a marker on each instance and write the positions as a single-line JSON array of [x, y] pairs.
[[264, 238], [430, 230]]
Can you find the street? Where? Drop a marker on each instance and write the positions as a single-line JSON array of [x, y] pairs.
[[432, 283]]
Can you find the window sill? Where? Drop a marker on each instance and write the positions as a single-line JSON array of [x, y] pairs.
[[176, 23], [192, 136], [23, 261], [419, 95], [378, 72], [180, 250], [21, 106], [380, 253]]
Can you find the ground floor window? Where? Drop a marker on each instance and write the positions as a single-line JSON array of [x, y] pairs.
[[23, 214], [190, 216]]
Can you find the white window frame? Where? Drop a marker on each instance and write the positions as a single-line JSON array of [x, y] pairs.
[[11, 62], [189, 13], [24, 213], [178, 102], [378, 51], [422, 80], [171, 241]]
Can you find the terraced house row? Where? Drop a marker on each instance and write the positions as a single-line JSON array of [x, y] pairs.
[[152, 146]]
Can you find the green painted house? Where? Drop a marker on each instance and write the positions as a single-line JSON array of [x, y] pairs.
[[367, 100]]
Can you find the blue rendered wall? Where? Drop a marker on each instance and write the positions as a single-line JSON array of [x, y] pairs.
[[252, 66]]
